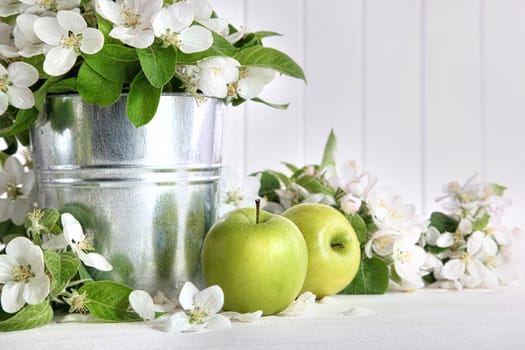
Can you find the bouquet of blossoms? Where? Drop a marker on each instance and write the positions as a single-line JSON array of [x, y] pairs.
[[468, 240], [388, 229], [101, 49]]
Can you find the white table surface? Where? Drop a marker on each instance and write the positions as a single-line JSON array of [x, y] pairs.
[[426, 319]]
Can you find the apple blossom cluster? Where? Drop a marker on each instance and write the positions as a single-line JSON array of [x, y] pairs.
[[144, 47], [39, 266], [468, 246], [469, 243]]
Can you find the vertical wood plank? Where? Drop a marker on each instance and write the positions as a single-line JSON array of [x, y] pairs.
[[333, 64], [273, 136], [453, 131], [234, 122], [392, 95], [504, 104]]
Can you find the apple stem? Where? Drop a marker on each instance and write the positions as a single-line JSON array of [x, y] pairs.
[[338, 245], [257, 210]]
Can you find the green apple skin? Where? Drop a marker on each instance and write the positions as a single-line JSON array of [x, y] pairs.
[[334, 252], [259, 266]]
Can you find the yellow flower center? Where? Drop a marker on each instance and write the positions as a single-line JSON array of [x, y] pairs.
[[130, 18], [49, 4], [170, 39], [4, 83], [13, 191], [196, 315], [23, 273], [72, 41], [405, 257]]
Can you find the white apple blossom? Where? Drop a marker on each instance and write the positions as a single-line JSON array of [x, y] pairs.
[[132, 20], [26, 40], [14, 85], [381, 243], [237, 193], [408, 262], [200, 310], [74, 236], [215, 75], [49, 6], [252, 81], [22, 275], [2, 246], [16, 191], [70, 36], [7, 45], [173, 26]]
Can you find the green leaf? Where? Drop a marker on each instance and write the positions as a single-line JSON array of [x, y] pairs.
[[499, 190], [253, 39], [329, 151], [108, 300], [220, 47], [371, 278], [158, 64], [290, 167], [115, 62], [143, 100], [443, 222], [359, 226], [25, 118], [266, 57], [63, 86], [30, 316], [63, 267], [481, 223], [314, 185], [269, 183], [95, 89], [273, 105]]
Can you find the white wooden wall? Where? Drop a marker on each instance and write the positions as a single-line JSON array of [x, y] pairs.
[[419, 92]]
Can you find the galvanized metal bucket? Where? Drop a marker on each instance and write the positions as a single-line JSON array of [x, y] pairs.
[[147, 195]]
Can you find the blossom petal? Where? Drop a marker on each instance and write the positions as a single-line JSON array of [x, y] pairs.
[[250, 87], [49, 31], [178, 322], [445, 240], [22, 74], [14, 169], [59, 60], [246, 317], [300, 305], [6, 268], [12, 298], [110, 10], [55, 242], [95, 260], [20, 97], [142, 303], [73, 232], [490, 246], [201, 8], [71, 21], [20, 248], [218, 322], [92, 41], [18, 210], [186, 295], [211, 299], [36, 290], [453, 269], [139, 39], [4, 102], [475, 242], [195, 39]]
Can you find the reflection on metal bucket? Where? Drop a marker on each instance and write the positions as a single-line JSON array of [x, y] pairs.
[[148, 194]]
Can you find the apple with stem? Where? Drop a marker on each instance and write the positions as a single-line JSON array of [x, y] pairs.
[[334, 252], [259, 260]]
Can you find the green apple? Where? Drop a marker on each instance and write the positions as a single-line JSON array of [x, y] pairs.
[[259, 260], [334, 253]]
